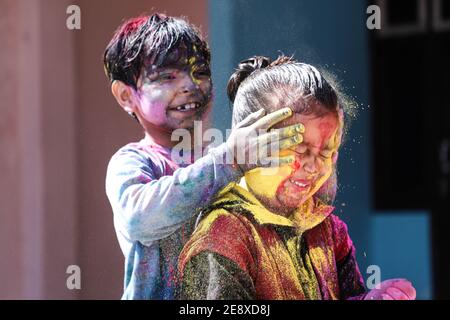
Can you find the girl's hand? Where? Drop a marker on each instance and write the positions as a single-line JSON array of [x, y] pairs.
[[394, 289]]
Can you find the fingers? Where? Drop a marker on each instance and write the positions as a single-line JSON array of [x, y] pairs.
[[287, 143], [406, 287], [278, 135], [251, 118], [397, 294], [271, 143], [289, 131], [273, 118], [265, 151], [396, 285], [388, 283], [278, 161], [385, 296]]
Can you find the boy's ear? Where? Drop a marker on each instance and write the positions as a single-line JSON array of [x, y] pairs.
[[124, 95]]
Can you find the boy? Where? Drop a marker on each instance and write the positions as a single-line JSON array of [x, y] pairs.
[[159, 68]]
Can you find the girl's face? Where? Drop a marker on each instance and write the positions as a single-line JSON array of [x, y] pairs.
[[288, 187]]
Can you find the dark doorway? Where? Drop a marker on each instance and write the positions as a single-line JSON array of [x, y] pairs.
[[411, 115]]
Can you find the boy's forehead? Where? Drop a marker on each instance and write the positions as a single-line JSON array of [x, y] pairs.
[[179, 57], [178, 65]]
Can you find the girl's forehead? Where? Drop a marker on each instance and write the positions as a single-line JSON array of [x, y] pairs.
[[318, 129], [310, 120]]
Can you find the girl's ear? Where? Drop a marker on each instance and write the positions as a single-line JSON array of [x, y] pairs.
[[335, 157], [124, 95]]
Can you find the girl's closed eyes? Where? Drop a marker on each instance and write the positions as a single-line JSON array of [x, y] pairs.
[[303, 148]]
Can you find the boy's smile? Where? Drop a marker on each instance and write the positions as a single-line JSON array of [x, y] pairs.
[[173, 97]]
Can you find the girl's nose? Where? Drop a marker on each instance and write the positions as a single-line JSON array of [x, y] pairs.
[[309, 165]]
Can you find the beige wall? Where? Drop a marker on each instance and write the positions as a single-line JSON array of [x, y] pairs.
[[102, 128], [38, 187], [59, 127], [10, 186]]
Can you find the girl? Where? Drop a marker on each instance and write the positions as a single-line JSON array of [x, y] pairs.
[[274, 236]]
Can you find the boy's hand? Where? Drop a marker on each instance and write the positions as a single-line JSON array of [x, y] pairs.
[[253, 145], [394, 289]]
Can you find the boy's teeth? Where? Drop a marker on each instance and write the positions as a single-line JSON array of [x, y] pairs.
[[188, 106]]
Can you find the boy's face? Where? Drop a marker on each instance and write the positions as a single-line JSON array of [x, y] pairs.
[[174, 96], [290, 186]]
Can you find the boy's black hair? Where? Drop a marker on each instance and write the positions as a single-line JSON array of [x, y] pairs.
[[151, 40]]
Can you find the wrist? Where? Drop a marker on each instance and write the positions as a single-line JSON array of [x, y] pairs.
[[224, 156]]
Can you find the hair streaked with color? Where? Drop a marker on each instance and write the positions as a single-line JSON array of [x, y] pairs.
[[150, 40]]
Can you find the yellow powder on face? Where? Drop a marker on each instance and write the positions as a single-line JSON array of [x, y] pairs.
[[193, 68], [192, 60], [265, 181]]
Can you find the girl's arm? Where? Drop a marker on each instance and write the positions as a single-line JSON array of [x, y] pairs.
[[351, 282], [210, 276]]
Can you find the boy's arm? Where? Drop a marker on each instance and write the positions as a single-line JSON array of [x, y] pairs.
[[147, 208]]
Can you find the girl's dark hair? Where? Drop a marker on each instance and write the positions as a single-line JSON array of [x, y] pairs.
[[260, 83], [151, 40]]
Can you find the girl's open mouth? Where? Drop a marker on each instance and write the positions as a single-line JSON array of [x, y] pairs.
[[301, 185]]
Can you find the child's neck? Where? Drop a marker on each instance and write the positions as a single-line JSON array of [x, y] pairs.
[[164, 139], [159, 139], [307, 207]]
